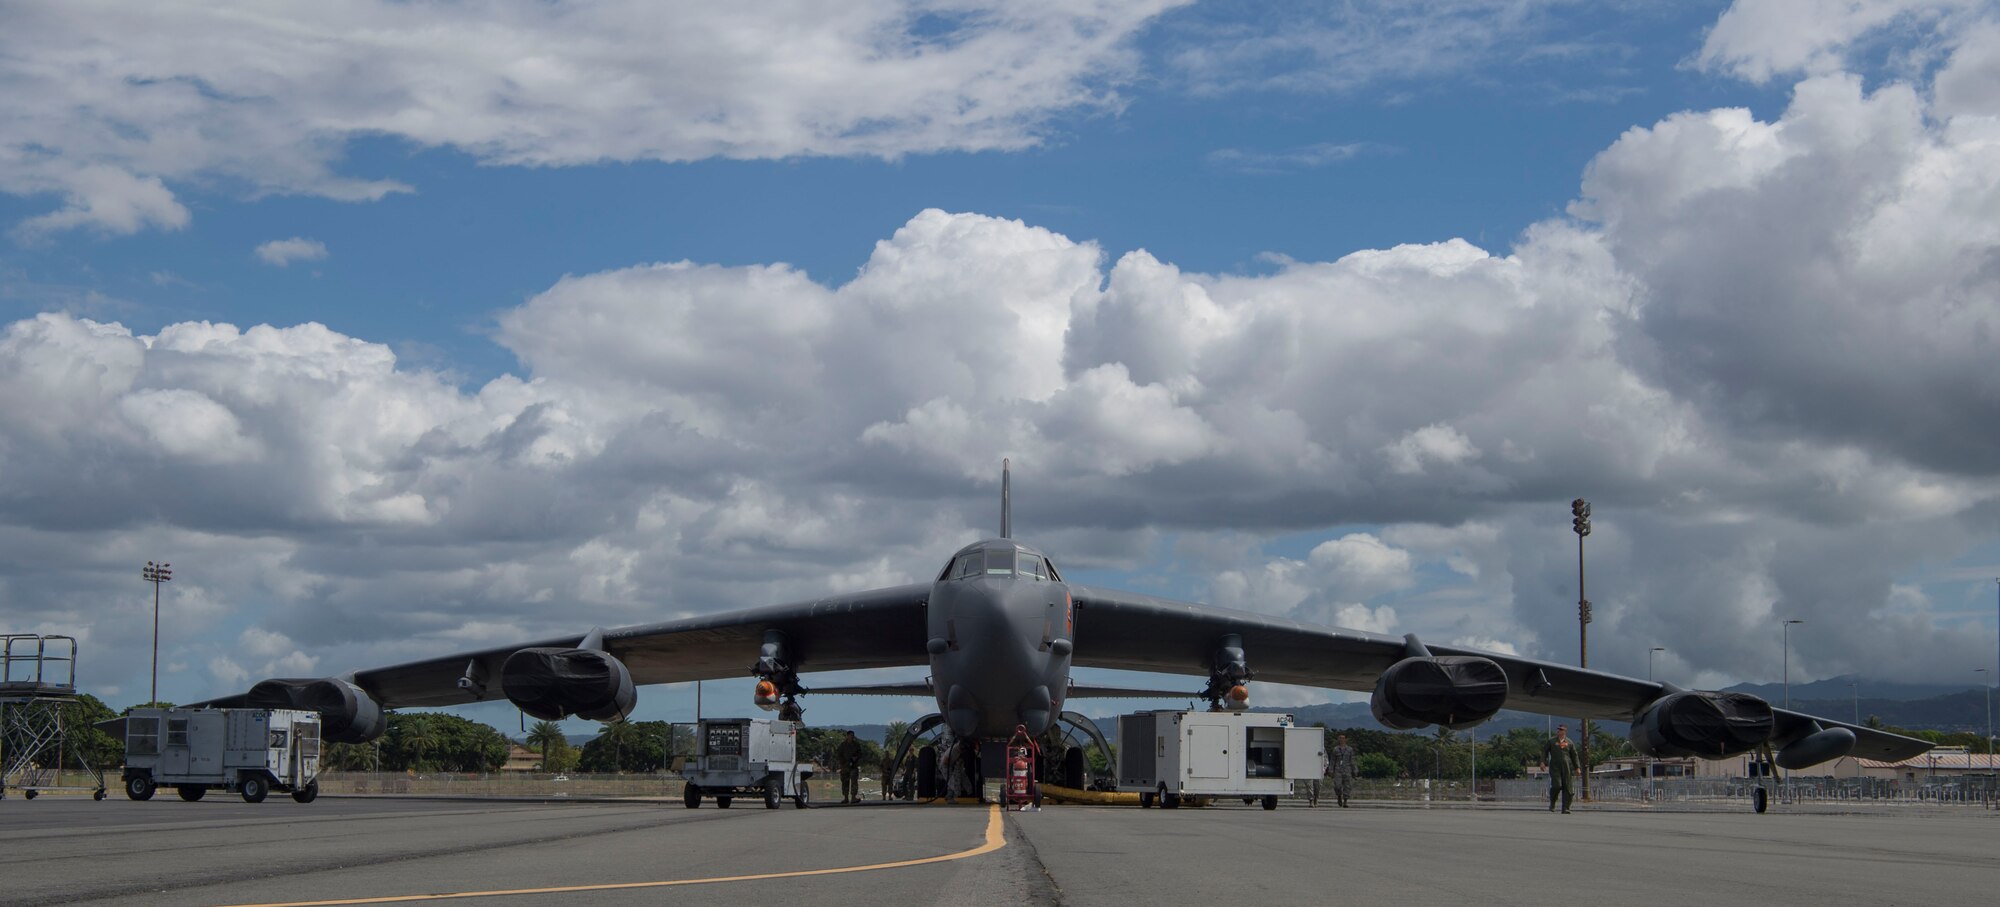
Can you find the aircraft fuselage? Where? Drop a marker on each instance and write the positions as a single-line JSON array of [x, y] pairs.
[[1001, 627]]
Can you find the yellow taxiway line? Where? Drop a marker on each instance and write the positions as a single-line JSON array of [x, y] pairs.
[[995, 840]]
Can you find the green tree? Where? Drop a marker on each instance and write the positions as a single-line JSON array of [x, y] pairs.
[[1605, 747], [419, 739], [347, 757], [544, 736], [1498, 765], [438, 742], [626, 746], [1377, 765], [84, 741], [816, 745]]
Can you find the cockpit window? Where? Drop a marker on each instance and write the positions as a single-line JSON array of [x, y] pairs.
[[1000, 563]]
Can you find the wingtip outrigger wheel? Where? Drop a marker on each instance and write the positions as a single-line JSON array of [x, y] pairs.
[[1760, 796]]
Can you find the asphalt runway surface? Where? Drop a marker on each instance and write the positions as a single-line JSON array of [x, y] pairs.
[[398, 850]]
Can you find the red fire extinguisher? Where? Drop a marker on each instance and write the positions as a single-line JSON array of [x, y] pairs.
[[1017, 773], [1021, 763]]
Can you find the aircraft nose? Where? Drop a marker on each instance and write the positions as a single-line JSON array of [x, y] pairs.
[[1000, 672]]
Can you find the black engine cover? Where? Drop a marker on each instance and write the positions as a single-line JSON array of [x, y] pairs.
[[1456, 691], [553, 684], [1705, 724], [346, 713]]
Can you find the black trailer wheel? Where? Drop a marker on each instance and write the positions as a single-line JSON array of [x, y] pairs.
[[803, 797], [139, 787], [97, 794], [722, 802], [306, 794], [771, 796], [1760, 799], [691, 795], [1146, 800], [255, 789], [1170, 800], [1270, 801], [190, 792], [30, 793]]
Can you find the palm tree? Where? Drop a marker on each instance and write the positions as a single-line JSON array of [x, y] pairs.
[[618, 732], [544, 736], [1445, 738], [420, 737]]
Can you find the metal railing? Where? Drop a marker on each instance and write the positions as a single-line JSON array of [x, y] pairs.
[[25, 661]]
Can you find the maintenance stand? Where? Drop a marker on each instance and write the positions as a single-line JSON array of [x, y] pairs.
[[37, 679]]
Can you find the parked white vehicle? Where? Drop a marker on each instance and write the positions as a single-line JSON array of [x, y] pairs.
[[249, 751], [1168, 755], [747, 757]]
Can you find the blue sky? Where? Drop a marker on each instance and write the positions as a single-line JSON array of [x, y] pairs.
[[1212, 182], [1413, 276]]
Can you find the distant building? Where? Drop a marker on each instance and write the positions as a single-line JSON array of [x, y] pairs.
[[521, 759], [1943, 762]]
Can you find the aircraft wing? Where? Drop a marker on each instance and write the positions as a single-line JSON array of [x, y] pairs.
[[881, 628], [1134, 632]]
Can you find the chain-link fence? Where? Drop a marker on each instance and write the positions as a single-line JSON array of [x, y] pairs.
[[1970, 791], [1976, 791]]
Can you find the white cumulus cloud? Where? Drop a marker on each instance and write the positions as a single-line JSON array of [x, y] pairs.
[[282, 252], [110, 103]]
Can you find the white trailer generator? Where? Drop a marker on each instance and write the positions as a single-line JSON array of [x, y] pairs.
[[1168, 755], [746, 757], [250, 751]]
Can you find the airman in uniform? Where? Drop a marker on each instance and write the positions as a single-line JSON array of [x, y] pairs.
[[1342, 758], [847, 758], [1563, 761]]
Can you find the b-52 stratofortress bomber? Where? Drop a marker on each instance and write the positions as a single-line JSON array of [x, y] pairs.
[[1000, 630]]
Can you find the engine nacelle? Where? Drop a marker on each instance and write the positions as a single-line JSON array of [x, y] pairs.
[[1709, 725], [1815, 748], [346, 713], [1456, 691], [553, 684]]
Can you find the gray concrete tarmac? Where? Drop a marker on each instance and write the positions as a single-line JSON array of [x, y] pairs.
[[224, 851]]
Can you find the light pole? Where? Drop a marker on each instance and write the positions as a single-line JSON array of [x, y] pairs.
[[1649, 679], [1579, 511], [156, 574], [1983, 681], [1854, 686], [1788, 659]]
